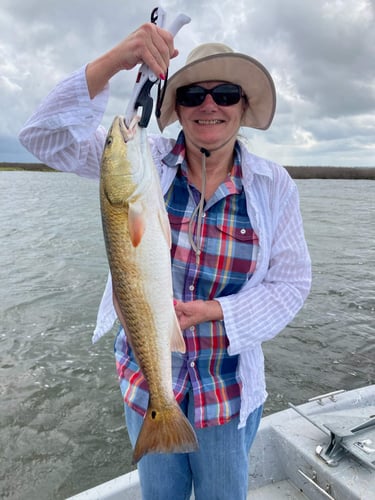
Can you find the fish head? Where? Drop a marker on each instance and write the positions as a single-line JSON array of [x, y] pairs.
[[120, 170]]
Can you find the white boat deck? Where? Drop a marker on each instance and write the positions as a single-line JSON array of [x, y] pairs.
[[283, 460], [283, 490]]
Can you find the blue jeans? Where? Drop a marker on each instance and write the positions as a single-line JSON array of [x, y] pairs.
[[218, 470]]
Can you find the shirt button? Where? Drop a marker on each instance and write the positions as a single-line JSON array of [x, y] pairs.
[[192, 328], [192, 364], [191, 288], [243, 231]]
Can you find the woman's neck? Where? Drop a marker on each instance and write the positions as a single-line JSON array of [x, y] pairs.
[[218, 165]]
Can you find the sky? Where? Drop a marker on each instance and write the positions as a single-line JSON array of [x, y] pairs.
[[320, 53]]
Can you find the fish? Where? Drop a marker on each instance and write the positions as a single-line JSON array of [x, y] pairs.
[[137, 238]]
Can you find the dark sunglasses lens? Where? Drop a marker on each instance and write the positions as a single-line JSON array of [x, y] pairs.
[[225, 94], [190, 96]]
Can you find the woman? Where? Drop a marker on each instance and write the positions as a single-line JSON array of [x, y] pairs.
[[240, 264]]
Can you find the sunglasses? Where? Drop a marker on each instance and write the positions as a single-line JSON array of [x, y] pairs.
[[225, 94]]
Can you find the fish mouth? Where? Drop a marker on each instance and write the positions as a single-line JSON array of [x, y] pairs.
[[128, 132]]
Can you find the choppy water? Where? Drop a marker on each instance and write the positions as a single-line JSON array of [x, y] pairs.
[[61, 416]]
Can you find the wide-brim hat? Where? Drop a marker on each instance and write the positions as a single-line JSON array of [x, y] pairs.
[[218, 62]]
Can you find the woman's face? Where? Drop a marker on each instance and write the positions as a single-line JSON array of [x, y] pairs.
[[209, 125]]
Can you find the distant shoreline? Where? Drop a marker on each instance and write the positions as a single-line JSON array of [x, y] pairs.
[[366, 173], [36, 167], [302, 172]]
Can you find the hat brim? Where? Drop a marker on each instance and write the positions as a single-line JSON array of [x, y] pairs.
[[252, 76]]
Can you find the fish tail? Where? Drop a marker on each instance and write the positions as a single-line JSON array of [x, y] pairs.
[[165, 430]]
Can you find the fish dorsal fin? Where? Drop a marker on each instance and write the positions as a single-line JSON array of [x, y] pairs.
[[177, 340], [136, 222]]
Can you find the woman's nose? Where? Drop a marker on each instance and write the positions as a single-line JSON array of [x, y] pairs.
[[208, 101]]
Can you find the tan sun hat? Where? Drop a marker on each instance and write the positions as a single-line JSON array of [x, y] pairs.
[[218, 62]]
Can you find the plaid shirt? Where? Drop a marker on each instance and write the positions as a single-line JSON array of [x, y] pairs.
[[227, 261]]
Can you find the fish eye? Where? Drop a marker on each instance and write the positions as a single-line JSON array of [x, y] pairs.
[[109, 140]]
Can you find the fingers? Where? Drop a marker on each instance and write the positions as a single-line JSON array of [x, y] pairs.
[[161, 50], [153, 46], [197, 311], [188, 313]]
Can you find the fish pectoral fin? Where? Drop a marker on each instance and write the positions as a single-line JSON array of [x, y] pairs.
[[177, 339], [136, 223], [165, 227]]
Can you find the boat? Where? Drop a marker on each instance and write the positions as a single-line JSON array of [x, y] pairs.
[[322, 449]]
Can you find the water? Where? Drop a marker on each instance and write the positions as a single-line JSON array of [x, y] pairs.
[[61, 417]]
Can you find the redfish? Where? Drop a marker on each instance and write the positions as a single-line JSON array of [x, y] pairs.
[[138, 240]]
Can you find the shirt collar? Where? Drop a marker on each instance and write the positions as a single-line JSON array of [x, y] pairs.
[[236, 172], [176, 157]]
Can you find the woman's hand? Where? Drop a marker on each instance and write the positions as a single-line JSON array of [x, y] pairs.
[[197, 311], [148, 44]]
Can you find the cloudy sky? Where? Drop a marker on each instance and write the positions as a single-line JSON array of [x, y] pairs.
[[321, 54]]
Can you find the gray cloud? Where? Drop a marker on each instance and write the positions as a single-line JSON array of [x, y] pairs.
[[320, 53]]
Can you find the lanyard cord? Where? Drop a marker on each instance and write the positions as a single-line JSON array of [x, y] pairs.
[[199, 210]]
